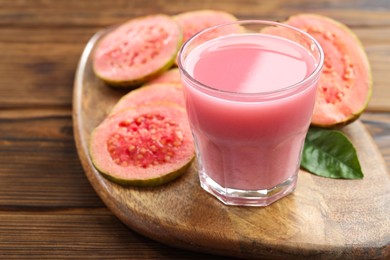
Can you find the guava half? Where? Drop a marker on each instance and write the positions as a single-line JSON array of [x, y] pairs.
[[137, 50], [193, 22], [158, 92], [169, 76], [144, 146], [345, 85]]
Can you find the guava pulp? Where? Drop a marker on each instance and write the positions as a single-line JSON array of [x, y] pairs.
[[137, 50], [145, 146], [159, 92], [195, 21], [346, 83], [169, 76]]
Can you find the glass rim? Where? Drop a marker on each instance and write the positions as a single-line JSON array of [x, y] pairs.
[[313, 74]]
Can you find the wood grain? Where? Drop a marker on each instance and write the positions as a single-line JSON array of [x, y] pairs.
[[48, 209], [323, 218], [77, 234], [38, 25]]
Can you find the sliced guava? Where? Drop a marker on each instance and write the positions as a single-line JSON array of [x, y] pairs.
[[193, 22], [169, 76], [137, 50], [345, 85], [144, 146], [159, 92]]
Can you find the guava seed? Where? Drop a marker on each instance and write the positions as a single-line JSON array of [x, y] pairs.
[[146, 140]]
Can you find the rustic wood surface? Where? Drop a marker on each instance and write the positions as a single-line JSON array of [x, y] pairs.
[[48, 208]]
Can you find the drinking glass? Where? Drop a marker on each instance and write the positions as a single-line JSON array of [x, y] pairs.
[[250, 89]]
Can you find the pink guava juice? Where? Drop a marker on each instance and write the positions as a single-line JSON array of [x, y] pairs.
[[249, 107]]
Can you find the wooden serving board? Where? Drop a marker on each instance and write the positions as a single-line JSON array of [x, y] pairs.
[[324, 218]]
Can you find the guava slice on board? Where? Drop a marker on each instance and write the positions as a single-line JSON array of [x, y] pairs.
[[158, 92], [345, 85], [144, 146], [169, 76], [193, 22], [137, 50]]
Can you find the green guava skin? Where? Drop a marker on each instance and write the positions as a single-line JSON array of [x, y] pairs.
[[151, 182]]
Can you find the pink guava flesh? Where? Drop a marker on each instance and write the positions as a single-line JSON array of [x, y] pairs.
[[169, 76], [345, 85], [137, 50], [145, 146], [161, 92], [193, 22]]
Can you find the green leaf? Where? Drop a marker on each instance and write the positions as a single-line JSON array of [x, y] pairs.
[[329, 153]]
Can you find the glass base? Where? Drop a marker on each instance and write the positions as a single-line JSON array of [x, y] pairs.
[[237, 197]]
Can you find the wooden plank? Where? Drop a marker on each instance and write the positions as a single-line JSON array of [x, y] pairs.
[[83, 13], [32, 74], [39, 167], [78, 234]]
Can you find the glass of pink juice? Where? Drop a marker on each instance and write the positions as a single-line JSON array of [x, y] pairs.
[[250, 89]]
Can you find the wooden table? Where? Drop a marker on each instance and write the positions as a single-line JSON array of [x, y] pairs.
[[47, 206]]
